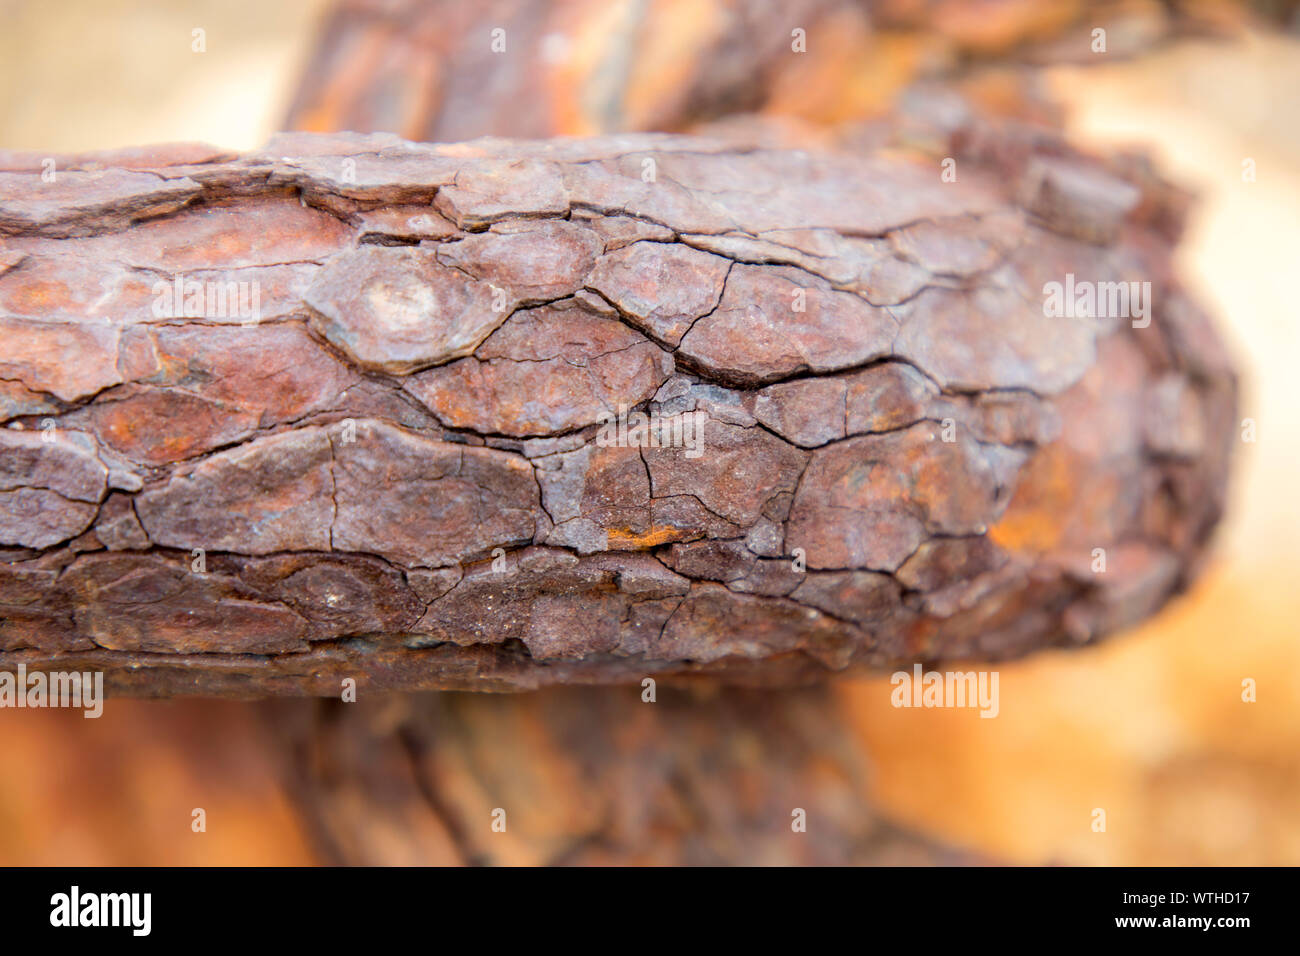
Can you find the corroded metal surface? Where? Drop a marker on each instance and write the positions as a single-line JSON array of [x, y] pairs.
[[417, 461]]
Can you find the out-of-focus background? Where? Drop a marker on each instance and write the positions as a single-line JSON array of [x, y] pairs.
[[1150, 725]]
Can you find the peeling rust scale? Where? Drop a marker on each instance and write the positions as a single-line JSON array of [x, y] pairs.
[[416, 460]]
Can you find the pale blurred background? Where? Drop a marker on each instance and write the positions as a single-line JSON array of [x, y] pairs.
[[1149, 726]]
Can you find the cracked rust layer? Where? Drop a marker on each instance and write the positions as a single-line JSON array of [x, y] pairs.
[[399, 472]]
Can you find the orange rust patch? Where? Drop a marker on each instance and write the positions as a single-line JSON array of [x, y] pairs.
[[627, 539], [31, 298], [1032, 522]]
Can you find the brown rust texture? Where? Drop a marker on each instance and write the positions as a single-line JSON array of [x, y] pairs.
[[866, 443]]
